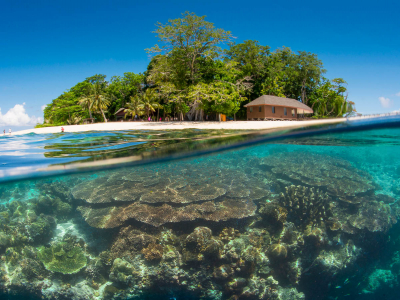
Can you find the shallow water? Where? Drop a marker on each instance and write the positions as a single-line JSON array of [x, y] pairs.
[[26, 154], [302, 217]]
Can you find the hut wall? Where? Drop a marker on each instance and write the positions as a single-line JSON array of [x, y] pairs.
[[266, 112], [256, 114]]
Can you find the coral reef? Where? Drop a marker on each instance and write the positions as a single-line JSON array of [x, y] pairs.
[[277, 251], [200, 245], [374, 216], [224, 194], [130, 242], [336, 175], [381, 280], [62, 257], [153, 252], [218, 228], [114, 216], [305, 206]]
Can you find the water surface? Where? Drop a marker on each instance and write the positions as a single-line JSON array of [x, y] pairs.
[[305, 216]]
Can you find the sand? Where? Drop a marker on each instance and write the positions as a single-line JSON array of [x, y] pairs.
[[244, 125]]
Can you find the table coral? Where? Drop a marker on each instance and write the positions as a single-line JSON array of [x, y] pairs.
[[214, 192], [338, 176], [114, 216]]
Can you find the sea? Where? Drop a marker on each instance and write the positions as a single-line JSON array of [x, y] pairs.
[[307, 213]]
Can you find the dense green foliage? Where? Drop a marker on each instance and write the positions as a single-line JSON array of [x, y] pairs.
[[191, 75]]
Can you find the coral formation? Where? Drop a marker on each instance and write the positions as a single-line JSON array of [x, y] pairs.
[[216, 196], [200, 245], [114, 216], [130, 241], [374, 216], [153, 252], [277, 251], [63, 258], [213, 228], [336, 175], [305, 206]]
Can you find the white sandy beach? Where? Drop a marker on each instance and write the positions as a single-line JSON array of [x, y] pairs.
[[236, 125]]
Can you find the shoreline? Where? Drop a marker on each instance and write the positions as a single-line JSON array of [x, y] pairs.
[[232, 125]]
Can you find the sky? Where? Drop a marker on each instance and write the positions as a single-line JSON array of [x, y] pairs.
[[46, 47]]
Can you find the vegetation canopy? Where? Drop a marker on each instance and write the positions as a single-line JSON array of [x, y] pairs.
[[197, 72]]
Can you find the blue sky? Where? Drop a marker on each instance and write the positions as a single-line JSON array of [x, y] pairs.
[[47, 47]]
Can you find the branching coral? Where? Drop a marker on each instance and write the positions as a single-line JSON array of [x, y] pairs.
[[305, 205]]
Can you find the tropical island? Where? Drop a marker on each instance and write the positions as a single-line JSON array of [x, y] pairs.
[[199, 72]]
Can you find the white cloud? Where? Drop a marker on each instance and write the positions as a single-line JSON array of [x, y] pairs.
[[17, 116], [43, 107], [385, 102], [398, 94]]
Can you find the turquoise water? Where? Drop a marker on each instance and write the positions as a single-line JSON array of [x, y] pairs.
[[26, 154], [310, 215]]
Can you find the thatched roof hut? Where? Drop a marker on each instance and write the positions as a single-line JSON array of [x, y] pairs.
[[273, 107]]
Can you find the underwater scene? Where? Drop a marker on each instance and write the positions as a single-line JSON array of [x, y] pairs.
[[301, 217]]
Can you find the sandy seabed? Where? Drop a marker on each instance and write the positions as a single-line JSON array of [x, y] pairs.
[[235, 125]]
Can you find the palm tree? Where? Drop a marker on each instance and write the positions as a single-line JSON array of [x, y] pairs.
[[73, 120], [97, 99], [149, 102], [86, 103], [134, 107]]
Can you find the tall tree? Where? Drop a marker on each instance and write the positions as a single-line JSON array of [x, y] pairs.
[[225, 91], [309, 69], [252, 60], [188, 39], [185, 44], [97, 98]]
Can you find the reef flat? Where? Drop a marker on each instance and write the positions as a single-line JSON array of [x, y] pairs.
[[236, 225]]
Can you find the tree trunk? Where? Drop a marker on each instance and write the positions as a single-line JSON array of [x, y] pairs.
[[303, 92], [90, 113], [104, 116], [158, 110]]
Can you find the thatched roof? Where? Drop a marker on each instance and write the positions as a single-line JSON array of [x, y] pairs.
[[119, 110], [279, 101]]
